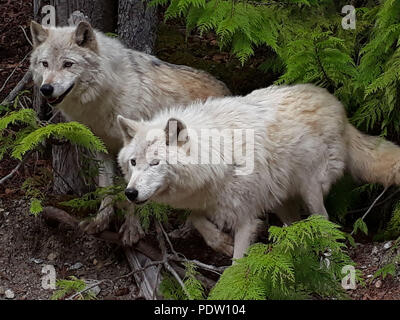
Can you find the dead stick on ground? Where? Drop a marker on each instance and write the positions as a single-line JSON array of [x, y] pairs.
[[19, 87], [61, 216], [15, 170], [12, 73]]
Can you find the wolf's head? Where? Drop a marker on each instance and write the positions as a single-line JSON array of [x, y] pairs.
[[147, 158], [63, 60]]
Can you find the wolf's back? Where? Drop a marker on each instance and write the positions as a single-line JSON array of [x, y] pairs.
[[372, 159]]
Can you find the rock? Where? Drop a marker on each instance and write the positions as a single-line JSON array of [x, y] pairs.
[[37, 261], [374, 250], [95, 290], [52, 256], [388, 245], [9, 294], [76, 266], [378, 284]]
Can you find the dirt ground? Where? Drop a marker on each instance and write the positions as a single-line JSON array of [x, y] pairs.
[[27, 243]]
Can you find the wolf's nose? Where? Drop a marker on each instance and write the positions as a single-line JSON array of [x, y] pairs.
[[47, 90], [131, 194]]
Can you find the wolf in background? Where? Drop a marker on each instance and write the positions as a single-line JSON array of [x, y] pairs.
[[93, 78], [303, 143]]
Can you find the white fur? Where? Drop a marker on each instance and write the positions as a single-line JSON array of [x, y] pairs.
[[110, 79], [303, 143]]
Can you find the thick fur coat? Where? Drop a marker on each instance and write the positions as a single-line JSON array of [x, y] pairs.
[[302, 143], [93, 78]]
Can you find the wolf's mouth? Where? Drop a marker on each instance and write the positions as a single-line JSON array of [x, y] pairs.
[[141, 202], [60, 99]]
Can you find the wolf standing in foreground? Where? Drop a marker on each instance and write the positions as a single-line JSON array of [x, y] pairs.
[[302, 144], [93, 78]]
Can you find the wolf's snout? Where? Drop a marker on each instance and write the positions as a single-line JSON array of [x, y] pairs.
[[47, 90], [131, 194]]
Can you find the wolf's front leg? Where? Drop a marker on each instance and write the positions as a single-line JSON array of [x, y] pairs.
[[131, 230], [214, 237], [106, 211], [245, 233]]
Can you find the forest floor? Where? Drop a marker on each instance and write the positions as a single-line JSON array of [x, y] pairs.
[[27, 243]]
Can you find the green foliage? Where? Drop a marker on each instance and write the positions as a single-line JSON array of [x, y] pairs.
[[66, 288], [93, 199], [74, 132], [31, 132], [170, 289], [303, 259], [34, 188], [341, 198], [383, 272], [393, 228], [359, 66], [194, 288], [359, 224], [150, 211]]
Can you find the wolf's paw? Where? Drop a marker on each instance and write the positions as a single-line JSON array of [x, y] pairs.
[[226, 245], [221, 242], [181, 233], [131, 231], [99, 223]]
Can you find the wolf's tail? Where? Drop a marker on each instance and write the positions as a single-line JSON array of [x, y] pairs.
[[372, 159]]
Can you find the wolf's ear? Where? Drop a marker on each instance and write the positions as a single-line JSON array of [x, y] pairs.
[[176, 132], [128, 128], [39, 34], [85, 36]]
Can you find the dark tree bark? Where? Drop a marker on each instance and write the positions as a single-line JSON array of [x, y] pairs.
[[137, 24], [102, 14]]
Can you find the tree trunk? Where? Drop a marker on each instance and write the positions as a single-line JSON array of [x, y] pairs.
[[137, 24], [102, 14]]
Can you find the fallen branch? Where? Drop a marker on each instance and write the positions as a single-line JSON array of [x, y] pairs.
[[15, 170], [144, 248], [19, 87], [12, 73], [61, 216]]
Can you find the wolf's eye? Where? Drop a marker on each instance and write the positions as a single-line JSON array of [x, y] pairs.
[[67, 64], [133, 162], [155, 162], [45, 64]]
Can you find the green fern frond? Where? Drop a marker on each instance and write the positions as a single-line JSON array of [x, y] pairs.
[[74, 132]]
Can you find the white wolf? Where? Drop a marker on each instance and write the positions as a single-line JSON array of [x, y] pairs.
[[93, 78], [303, 142]]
